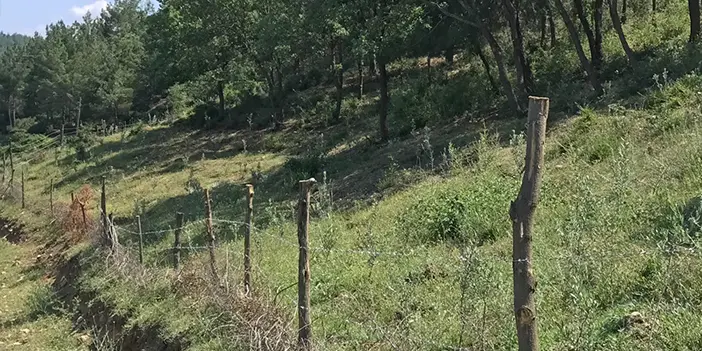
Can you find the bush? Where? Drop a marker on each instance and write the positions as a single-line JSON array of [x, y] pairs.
[[82, 144], [461, 215], [42, 302]]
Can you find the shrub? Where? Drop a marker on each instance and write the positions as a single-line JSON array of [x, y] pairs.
[[460, 215], [42, 302]]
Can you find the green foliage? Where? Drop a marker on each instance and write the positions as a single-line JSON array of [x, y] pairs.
[[461, 215], [82, 144], [42, 301]]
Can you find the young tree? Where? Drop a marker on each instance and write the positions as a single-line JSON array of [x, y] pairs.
[[476, 16], [575, 38], [525, 79], [614, 14]]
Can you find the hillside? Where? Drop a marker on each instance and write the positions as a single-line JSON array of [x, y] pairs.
[[410, 237]]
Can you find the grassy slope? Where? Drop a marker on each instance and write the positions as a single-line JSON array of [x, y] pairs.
[[30, 318], [614, 235]]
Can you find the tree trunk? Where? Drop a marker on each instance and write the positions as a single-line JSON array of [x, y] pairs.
[[9, 112], [384, 100], [597, 55], [654, 6], [63, 129], [14, 111], [624, 8], [338, 61], [575, 38], [372, 65], [429, 68], [360, 79], [448, 55], [551, 26], [80, 107], [522, 212], [525, 80], [694, 9], [502, 71], [486, 64], [580, 11], [220, 93], [542, 29], [613, 11]]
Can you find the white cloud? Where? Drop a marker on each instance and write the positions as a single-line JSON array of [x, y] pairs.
[[94, 8]]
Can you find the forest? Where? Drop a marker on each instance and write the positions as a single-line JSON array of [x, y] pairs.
[[181, 213], [219, 62]]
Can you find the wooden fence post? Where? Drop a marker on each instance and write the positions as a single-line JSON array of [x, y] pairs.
[[51, 196], [141, 240], [85, 217], [73, 198], [210, 234], [522, 214], [303, 277], [112, 235], [4, 166], [247, 238], [176, 243], [103, 208]]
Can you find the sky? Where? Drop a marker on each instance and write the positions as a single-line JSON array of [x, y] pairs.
[[28, 16]]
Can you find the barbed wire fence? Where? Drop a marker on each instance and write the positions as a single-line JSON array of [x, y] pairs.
[[229, 282]]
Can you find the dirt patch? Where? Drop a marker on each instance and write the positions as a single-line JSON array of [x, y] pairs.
[[101, 320], [12, 231]]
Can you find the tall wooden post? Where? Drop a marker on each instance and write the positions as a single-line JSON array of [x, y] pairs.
[[210, 234], [247, 237], [176, 243], [522, 214], [303, 277], [4, 166], [103, 207], [141, 240], [22, 187]]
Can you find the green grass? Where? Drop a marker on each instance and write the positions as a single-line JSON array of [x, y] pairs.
[[414, 256], [31, 317]]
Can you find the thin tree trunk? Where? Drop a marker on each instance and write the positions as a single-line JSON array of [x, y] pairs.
[[654, 6], [360, 79], [597, 55], [499, 60], [624, 9], [63, 129], [551, 26], [448, 55], [80, 107], [429, 68], [525, 81], [542, 30], [384, 100], [9, 112], [575, 38], [620, 32], [339, 79], [220, 94], [373, 65], [580, 11], [486, 65], [694, 10], [14, 111]]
